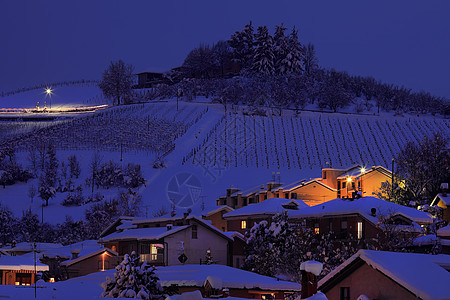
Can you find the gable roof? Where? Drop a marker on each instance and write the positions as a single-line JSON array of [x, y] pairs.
[[68, 263], [440, 197], [356, 172], [65, 252], [406, 269], [218, 209], [198, 220], [113, 226], [363, 207], [268, 207], [142, 234], [250, 191]]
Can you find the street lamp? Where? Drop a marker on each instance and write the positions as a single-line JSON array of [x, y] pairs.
[[349, 180], [49, 93], [362, 172]]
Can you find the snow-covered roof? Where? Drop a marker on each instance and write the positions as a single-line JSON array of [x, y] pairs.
[[28, 247], [199, 220], [363, 207], [235, 234], [82, 248], [22, 262], [290, 186], [196, 275], [248, 192], [356, 172], [317, 180], [444, 232], [317, 296], [269, 207], [91, 254], [113, 226], [218, 209], [424, 240], [142, 234], [154, 70], [424, 275], [445, 198]]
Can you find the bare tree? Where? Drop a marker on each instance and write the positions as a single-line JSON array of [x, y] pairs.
[[117, 82]]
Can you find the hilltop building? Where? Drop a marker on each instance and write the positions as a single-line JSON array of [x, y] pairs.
[[334, 183]]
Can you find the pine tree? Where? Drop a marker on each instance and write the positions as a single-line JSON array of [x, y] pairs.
[[133, 280], [280, 50], [292, 62], [263, 59], [208, 257], [7, 225], [242, 44]]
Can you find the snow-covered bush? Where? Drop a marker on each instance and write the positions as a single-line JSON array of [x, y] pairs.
[[133, 280]]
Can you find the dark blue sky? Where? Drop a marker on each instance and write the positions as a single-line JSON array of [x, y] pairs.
[[401, 42]]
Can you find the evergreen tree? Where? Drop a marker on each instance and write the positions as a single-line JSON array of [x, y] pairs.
[[280, 49], [263, 59], [7, 225], [242, 44], [208, 257], [70, 231], [133, 280], [293, 61]]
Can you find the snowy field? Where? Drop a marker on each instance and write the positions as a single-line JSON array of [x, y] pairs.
[[200, 142]]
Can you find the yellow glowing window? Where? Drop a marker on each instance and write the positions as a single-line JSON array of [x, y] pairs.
[[316, 230], [360, 229], [243, 224]]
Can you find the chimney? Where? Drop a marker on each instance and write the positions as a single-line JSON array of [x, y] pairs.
[[444, 189], [169, 226], [75, 253], [310, 270]]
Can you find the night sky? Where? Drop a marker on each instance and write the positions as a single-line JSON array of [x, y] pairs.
[[401, 42]]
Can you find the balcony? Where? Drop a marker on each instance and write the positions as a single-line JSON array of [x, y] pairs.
[[154, 259]]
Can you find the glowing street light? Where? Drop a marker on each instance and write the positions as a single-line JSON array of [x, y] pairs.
[[362, 172], [349, 180], [49, 92]]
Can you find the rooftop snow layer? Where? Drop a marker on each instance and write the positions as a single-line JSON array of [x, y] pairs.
[[270, 206], [22, 262], [28, 247], [444, 231], [196, 275], [362, 206], [408, 270], [83, 248], [142, 234]]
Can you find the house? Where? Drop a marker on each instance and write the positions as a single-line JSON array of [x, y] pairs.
[[100, 260], [215, 281], [20, 270], [25, 247], [312, 192], [444, 238], [170, 241], [244, 218], [78, 259], [216, 217], [236, 198], [150, 78], [389, 275], [334, 183], [442, 200], [362, 218]]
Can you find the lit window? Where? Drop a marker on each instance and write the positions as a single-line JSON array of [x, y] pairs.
[[154, 252], [243, 224], [316, 228], [360, 230]]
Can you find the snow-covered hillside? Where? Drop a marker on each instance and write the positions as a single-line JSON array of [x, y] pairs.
[[205, 151]]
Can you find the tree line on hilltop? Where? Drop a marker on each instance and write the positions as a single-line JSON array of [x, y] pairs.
[[257, 69]]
